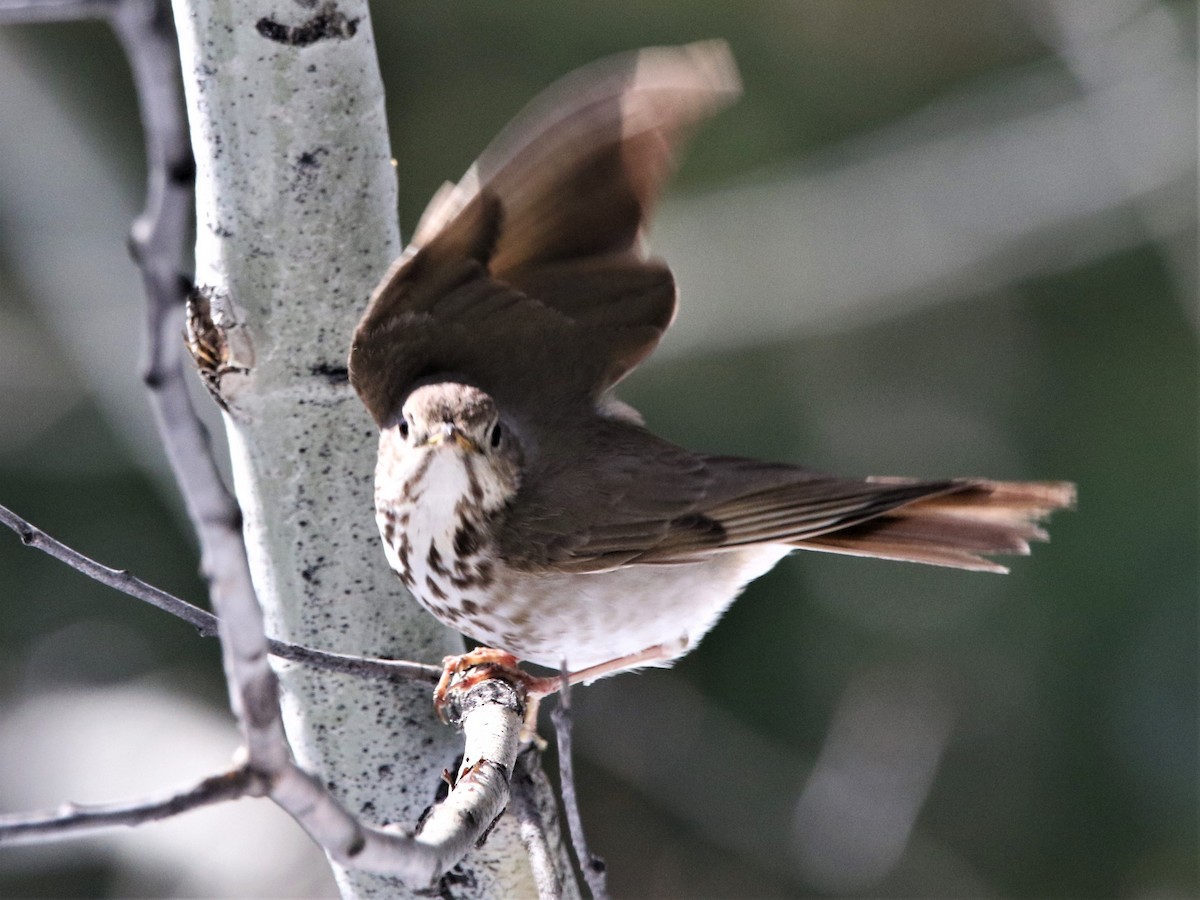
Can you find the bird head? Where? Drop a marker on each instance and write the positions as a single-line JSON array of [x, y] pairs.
[[459, 422]]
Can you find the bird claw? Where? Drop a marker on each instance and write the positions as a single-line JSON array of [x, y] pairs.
[[460, 673]]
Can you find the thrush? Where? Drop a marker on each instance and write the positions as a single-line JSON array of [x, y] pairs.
[[519, 501]]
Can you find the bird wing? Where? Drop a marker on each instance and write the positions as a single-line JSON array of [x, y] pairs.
[[641, 500], [624, 496], [531, 271]]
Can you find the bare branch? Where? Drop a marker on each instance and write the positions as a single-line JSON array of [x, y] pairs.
[[418, 861], [120, 579], [593, 866], [358, 666], [205, 622], [333, 828], [159, 243], [533, 826], [491, 713], [76, 820]]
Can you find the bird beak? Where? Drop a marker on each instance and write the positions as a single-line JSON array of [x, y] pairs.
[[449, 433]]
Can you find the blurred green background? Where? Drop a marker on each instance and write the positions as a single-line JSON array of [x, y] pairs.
[[933, 238]]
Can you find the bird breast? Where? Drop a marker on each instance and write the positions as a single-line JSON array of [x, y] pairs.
[[432, 510]]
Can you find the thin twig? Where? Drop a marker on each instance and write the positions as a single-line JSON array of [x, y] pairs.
[[593, 867], [204, 621], [77, 820], [359, 666], [532, 828], [371, 848], [159, 241]]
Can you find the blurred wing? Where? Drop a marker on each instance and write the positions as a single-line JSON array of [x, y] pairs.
[[579, 170], [529, 276]]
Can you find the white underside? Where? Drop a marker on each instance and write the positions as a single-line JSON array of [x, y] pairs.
[[608, 615]]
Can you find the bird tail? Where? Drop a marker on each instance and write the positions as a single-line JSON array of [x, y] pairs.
[[957, 528]]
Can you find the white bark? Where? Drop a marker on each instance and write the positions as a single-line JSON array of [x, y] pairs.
[[296, 202]]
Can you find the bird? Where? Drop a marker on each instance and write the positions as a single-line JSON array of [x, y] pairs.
[[518, 499]]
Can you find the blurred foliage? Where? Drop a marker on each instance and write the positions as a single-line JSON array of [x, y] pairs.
[[814, 73], [1071, 762]]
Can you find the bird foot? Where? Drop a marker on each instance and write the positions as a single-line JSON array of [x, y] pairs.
[[464, 672]]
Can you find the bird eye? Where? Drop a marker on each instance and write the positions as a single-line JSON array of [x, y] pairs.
[[402, 427], [497, 436]]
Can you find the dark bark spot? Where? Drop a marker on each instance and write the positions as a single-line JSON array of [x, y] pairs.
[[334, 374], [329, 23]]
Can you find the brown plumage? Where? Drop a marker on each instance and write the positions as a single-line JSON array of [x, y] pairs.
[[521, 502]]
